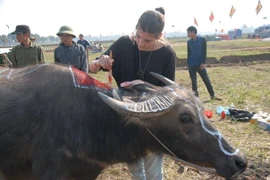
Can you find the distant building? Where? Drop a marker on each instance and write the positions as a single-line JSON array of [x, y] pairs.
[[234, 34], [262, 31], [247, 30], [224, 36]]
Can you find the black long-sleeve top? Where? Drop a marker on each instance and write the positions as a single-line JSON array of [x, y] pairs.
[[127, 61]]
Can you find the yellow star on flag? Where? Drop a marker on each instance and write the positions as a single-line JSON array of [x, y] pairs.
[[259, 7], [232, 11]]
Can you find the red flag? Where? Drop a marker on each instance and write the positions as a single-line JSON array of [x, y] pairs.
[[211, 18], [195, 22], [259, 7], [232, 11]]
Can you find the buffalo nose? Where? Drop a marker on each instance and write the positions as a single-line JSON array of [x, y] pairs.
[[241, 164]]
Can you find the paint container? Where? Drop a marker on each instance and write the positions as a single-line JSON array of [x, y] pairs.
[[208, 113], [220, 109], [262, 123], [223, 115]]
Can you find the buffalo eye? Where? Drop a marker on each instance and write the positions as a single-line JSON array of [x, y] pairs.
[[185, 118]]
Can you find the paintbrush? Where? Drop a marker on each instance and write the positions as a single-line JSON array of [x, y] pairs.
[[110, 71]]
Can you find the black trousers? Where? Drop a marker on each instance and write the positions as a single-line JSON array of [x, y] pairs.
[[193, 70]]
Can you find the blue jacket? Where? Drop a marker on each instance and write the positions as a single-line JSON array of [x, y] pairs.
[[196, 51], [84, 42]]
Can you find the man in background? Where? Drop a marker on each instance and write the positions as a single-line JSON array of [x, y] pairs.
[[85, 44], [70, 52], [27, 52], [196, 47]]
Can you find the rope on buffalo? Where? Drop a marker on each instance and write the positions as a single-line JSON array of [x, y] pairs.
[[194, 166]]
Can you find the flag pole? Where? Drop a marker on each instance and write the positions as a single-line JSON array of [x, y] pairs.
[[8, 36]]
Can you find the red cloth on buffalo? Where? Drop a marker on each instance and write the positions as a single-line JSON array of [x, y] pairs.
[[84, 79]]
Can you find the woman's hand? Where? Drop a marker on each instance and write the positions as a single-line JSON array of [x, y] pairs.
[[105, 62], [130, 84]]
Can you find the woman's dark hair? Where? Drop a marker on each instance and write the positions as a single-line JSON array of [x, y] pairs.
[[161, 10], [152, 21]]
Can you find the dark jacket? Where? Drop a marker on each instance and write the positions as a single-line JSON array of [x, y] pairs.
[[74, 55], [196, 51]]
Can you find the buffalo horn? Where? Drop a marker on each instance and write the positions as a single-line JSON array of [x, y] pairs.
[[149, 108], [163, 79]]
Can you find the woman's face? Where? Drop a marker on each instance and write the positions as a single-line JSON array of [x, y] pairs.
[[145, 40]]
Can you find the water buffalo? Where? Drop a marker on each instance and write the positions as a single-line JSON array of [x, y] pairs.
[[58, 123]]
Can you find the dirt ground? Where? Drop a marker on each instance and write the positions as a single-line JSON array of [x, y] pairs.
[[229, 61]]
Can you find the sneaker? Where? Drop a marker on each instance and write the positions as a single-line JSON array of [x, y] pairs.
[[215, 98]]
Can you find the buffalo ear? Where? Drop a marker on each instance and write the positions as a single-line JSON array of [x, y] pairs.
[[116, 95]]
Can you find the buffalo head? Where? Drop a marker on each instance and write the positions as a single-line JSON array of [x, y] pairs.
[[175, 117]]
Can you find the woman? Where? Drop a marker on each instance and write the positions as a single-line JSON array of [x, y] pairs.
[[133, 58]]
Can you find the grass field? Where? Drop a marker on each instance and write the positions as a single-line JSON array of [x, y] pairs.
[[245, 85], [216, 49]]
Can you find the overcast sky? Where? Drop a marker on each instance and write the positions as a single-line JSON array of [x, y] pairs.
[[107, 17]]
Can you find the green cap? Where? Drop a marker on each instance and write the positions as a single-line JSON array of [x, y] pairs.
[[66, 30]]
